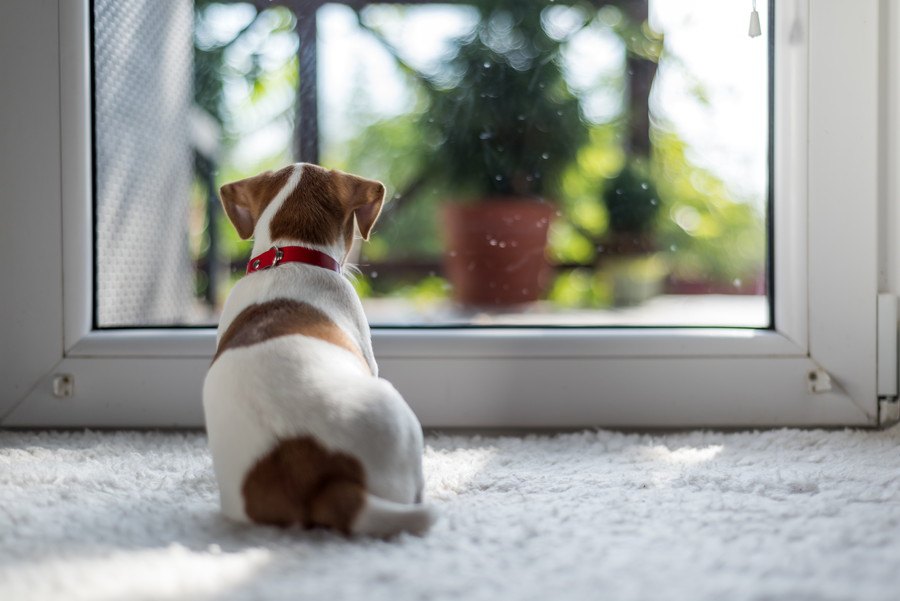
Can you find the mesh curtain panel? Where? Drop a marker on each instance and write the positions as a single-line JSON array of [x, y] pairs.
[[144, 165]]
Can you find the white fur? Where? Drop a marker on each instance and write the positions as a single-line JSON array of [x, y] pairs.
[[298, 385]]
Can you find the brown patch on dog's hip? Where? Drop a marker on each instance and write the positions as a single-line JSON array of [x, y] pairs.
[[284, 317], [302, 482]]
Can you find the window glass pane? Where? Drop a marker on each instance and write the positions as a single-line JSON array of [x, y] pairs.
[[546, 163]]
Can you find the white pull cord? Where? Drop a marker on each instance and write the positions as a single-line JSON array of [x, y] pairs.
[[755, 29]]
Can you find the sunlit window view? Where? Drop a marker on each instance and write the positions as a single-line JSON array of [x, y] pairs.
[[594, 163]]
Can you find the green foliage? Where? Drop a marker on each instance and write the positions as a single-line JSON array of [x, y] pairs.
[[710, 234], [500, 113], [569, 245], [424, 291], [640, 39], [706, 232], [581, 288], [575, 237], [631, 199], [237, 58], [362, 285]]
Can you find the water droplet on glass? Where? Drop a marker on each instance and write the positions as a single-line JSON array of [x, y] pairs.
[[485, 135], [503, 245], [619, 191], [374, 275], [524, 291], [644, 186], [673, 248], [452, 253], [521, 117], [653, 201], [599, 248], [737, 282], [498, 177], [486, 65], [545, 156]]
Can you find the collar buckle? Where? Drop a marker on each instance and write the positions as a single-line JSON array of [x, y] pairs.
[[279, 255]]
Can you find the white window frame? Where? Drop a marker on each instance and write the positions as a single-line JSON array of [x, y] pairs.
[[828, 145]]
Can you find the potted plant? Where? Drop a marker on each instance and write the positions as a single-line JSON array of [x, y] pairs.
[[630, 255], [504, 124]]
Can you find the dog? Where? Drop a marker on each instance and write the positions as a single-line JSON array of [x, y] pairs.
[[301, 429]]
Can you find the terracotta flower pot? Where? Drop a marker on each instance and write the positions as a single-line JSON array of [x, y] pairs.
[[495, 251]]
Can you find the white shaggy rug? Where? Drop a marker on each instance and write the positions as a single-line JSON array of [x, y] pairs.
[[788, 514]]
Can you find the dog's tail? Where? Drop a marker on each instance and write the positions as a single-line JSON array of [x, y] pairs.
[[380, 517], [283, 489], [346, 506]]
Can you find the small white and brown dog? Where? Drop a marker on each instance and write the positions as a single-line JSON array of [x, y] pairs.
[[301, 428]]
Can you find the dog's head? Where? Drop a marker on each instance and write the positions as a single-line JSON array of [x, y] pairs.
[[303, 203]]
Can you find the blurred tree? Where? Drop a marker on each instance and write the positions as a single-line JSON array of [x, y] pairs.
[[501, 119]]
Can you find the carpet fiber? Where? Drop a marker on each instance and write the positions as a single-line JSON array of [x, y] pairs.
[[597, 515]]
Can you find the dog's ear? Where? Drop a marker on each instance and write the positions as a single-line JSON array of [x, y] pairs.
[[245, 200], [364, 197], [367, 213], [238, 207]]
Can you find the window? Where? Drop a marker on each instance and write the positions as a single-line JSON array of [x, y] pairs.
[[826, 358], [580, 164]]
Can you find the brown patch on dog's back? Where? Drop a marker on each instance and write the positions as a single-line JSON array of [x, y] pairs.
[[302, 482], [313, 212], [284, 317]]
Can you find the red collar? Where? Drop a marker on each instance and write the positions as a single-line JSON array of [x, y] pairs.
[[292, 254]]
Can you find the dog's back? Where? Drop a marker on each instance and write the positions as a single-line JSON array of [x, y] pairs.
[[300, 434], [300, 428]]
